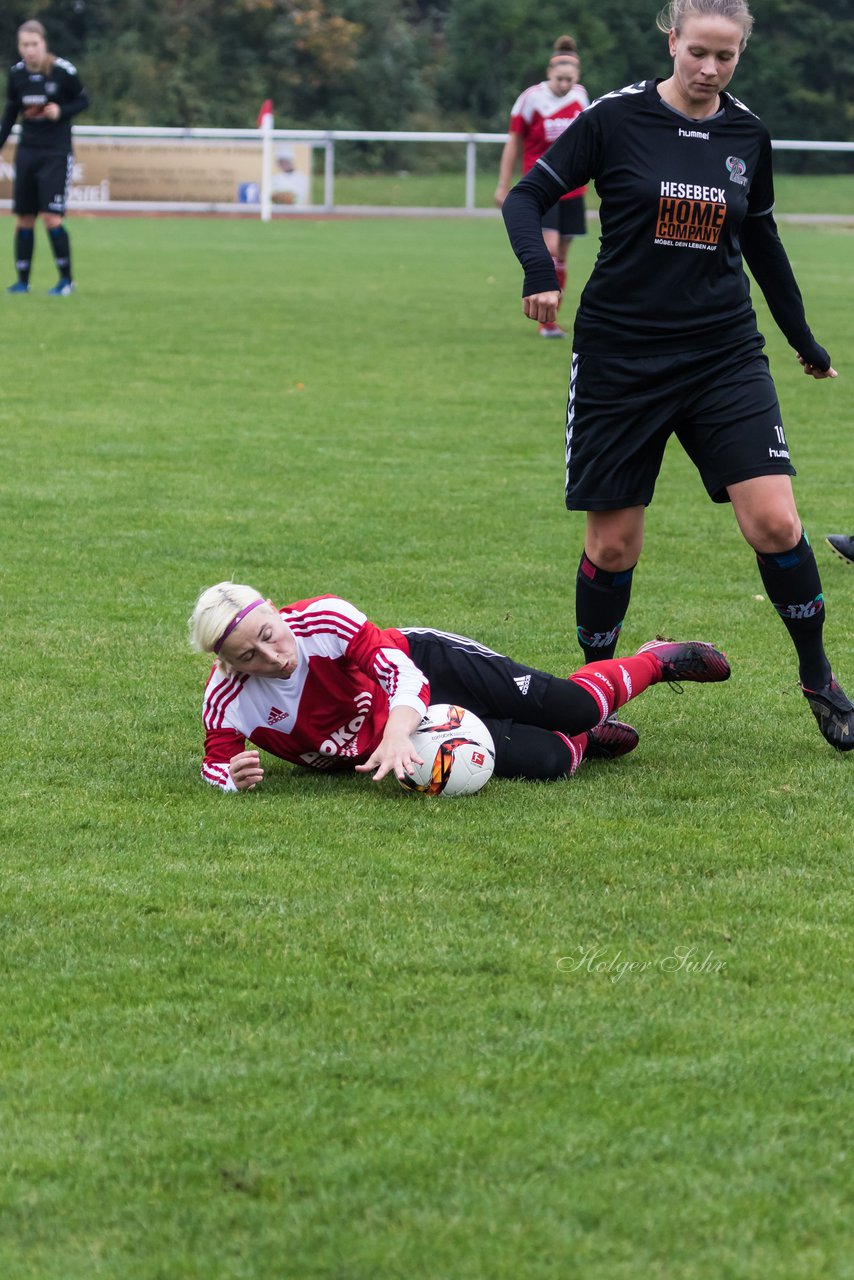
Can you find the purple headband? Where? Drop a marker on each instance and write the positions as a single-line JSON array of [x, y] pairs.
[[238, 617]]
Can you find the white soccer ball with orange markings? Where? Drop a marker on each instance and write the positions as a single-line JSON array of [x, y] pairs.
[[457, 750]]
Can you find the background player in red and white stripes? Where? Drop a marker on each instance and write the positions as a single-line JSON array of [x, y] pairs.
[[318, 684], [538, 118]]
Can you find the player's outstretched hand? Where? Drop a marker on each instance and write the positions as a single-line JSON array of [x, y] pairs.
[[393, 755], [245, 770], [542, 307], [395, 752]]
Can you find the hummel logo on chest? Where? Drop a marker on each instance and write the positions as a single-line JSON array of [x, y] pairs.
[[276, 716]]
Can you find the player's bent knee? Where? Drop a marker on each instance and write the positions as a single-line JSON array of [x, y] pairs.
[[614, 539], [613, 556], [776, 533]]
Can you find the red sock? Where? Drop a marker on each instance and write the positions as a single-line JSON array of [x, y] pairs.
[[615, 681], [560, 268], [577, 747]]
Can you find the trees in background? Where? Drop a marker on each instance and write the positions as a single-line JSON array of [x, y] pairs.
[[796, 73], [385, 64]]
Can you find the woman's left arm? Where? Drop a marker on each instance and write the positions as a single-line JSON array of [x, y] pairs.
[[769, 265], [74, 97], [74, 106]]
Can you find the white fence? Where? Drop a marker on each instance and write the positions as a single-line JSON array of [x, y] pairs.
[[324, 140]]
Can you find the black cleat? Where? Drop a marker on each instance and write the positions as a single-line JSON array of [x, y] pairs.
[[691, 660], [610, 739], [834, 713], [843, 545]]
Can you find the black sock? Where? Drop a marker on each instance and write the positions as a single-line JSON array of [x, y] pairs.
[[601, 603], [794, 588], [61, 246], [24, 241]]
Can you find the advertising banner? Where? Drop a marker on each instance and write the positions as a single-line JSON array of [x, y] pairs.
[[193, 172]]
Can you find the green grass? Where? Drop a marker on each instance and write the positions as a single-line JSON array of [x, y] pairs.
[[328, 1029], [796, 193]]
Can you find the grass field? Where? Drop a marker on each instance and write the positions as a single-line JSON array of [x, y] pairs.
[[328, 1029]]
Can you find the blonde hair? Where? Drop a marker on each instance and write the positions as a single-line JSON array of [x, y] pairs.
[[673, 15], [215, 608], [36, 28]]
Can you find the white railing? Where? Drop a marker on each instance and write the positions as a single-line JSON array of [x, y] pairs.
[[321, 139], [325, 140]]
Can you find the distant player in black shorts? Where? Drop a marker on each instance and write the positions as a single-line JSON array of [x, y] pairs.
[[665, 336], [48, 91]]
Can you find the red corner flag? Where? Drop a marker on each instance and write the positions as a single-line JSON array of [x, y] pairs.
[[266, 110]]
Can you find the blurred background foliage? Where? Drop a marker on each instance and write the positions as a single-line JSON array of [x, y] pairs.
[[417, 64]]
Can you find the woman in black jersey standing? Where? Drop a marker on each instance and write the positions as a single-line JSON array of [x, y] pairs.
[[48, 91], [665, 337]]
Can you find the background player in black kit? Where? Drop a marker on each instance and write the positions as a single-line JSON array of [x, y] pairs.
[[48, 91], [665, 336]]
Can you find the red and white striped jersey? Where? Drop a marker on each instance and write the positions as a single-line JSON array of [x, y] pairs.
[[540, 118], [331, 713]]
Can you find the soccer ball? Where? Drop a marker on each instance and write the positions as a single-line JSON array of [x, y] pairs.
[[457, 750]]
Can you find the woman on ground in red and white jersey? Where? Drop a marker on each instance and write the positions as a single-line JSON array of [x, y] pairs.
[[316, 683], [538, 118], [666, 339]]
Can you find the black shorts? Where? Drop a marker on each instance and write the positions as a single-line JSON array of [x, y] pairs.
[[568, 217], [42, 179], [722, 407], [523, 708]]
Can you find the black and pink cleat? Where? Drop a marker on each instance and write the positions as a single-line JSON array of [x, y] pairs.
[[688, 660], [610, 739]]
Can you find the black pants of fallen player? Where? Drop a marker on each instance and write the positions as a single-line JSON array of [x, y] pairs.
[[523, 708]]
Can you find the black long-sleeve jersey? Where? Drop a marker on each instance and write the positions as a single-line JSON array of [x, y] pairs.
[[681, 201], [33, 88]]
